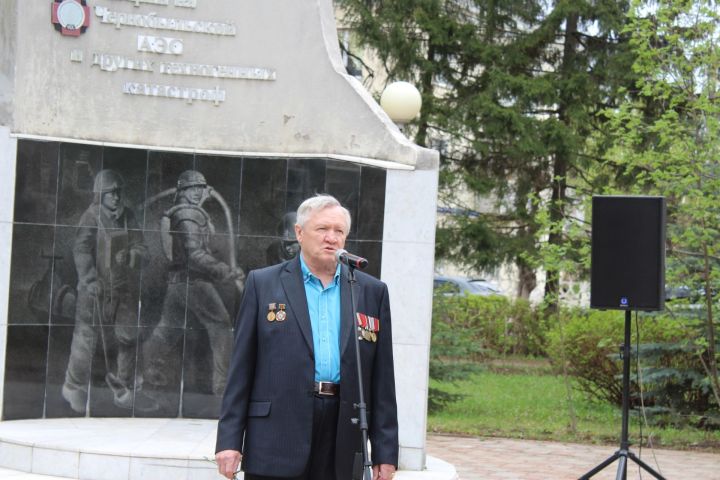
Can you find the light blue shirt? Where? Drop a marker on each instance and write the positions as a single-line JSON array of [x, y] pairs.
[[324, 307]]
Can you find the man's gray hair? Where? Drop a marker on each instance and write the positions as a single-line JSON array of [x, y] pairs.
[[319, 202]]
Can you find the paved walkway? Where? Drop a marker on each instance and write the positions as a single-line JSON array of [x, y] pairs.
[[504, 459], [158, 449]]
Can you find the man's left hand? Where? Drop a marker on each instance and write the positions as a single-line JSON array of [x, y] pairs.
[[383, 472]]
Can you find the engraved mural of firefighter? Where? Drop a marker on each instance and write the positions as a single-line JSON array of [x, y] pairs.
[[186, 230], [108, 251], [287, 246]]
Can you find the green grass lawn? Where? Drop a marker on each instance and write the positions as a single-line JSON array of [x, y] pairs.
[[533, 404]]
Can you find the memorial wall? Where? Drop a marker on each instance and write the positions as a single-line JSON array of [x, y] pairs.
[[129, 311]]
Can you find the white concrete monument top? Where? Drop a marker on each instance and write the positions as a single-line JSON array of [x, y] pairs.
[[203, 75]]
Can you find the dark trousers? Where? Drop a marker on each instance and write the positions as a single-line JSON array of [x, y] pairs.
[[321, 464]]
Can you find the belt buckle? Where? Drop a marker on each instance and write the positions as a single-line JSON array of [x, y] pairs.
[[321, 389]]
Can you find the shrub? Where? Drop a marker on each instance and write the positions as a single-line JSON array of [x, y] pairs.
[[495, 324], [583, 342], [469, 329], [589, 342]]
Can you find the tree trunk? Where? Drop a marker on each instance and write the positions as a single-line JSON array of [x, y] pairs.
[[527, 281], [561, 161], [427, 94], [710, 327]]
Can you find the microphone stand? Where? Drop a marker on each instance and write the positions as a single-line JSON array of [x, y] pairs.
[[361, 406]]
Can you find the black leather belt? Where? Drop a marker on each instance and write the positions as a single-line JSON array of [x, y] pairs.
[[327, 388]]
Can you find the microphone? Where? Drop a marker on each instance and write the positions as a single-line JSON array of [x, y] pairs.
[[352, 261]]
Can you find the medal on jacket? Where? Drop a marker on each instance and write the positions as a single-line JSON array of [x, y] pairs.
[[368, 327], [271, 313], [281, 314]]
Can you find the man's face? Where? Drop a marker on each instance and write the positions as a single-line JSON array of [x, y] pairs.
[[193, 194], [323, 233], [111, 200]]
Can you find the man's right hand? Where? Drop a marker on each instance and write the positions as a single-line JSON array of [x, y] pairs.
[[228, 462]]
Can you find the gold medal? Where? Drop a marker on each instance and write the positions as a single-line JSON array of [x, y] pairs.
[[271, 312], [366, 335], [373, 335]]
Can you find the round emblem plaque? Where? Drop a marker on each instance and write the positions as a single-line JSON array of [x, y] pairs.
[[71, 14], [70, 17]]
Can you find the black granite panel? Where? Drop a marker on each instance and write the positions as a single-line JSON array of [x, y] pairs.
[[161, 369], [132, 165], [342, 181], [371, 210], [36, 180], [154, 281], [205, 371], [223, 175], [167, 319], [79, 164], [259, 252], [230, 293], [306, 178], [25, 366], [115, 352], [58, 354], [201, 405], [164, 328], [370, 250], [65, 279], [164, 168], [31, 274], [262, 205], [223, 248], [205, 287], [212, 301], [113, 276]]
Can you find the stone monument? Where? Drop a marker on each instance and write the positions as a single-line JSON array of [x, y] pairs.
[[254, 99]]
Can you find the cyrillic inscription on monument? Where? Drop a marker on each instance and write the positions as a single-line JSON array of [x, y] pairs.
[[150, 45], [167, 45], [151, 20], [111, 63], [189, 94]]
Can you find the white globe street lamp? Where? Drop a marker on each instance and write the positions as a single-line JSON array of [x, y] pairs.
[[401, 101]]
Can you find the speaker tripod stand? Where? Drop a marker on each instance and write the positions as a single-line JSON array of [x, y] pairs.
[[624, 453]]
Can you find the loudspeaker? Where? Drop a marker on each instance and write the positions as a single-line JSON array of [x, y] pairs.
[[628, 253]]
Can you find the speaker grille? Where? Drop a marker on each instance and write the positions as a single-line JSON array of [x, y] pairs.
[[628, 253]]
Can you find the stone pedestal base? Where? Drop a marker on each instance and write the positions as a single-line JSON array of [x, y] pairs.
[[129, 449]]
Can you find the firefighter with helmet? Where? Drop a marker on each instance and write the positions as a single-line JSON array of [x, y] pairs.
[[287, 246], [194, 270], [108, 252]]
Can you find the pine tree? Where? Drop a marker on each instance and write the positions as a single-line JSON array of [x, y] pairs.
[[513, 89]]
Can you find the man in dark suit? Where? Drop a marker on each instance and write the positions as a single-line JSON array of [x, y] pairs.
[[289, 406]]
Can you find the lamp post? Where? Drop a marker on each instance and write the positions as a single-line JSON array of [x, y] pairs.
[[401, 101]]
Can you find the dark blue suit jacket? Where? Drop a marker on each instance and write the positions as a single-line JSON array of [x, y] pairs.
[[267, 408]]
